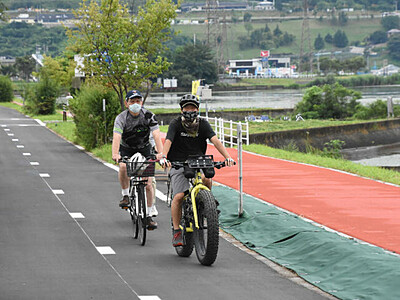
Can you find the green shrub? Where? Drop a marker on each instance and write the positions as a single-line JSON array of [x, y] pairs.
[[6, 89], [92, 129], [374, 110], [41, 100]]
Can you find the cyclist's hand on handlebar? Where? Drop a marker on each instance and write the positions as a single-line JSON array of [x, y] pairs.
[[165, 163], [229, 162], [116, 157]]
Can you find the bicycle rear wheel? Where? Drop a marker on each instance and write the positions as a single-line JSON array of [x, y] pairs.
[[206, 238], [142, 220]]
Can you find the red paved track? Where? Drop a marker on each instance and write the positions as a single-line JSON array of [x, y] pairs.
[[359, 207]]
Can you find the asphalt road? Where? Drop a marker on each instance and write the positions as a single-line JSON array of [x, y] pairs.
[[59, 213]]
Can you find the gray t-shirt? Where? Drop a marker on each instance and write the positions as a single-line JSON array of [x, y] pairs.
[[135, 130]]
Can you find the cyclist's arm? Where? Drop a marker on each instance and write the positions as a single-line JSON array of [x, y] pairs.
[[221, 148], [159, 145], [115, 146]]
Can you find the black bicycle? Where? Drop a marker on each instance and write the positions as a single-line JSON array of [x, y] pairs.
[[138, 173], [199, 222]]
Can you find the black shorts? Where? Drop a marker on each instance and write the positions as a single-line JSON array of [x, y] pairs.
[[146, 151]]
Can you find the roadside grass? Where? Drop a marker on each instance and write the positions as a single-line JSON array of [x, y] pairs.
[[65, 129]]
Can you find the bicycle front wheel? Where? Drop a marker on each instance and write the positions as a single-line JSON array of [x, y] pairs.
[[133, 210], [142, 220], [206, 237]]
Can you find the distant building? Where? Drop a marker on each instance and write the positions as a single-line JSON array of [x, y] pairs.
[[7, 60], [393, 32], [265, 5], [261, 67], [386, 71], [194, 6]]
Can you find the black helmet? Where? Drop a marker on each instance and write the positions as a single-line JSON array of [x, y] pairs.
[[189, 99]]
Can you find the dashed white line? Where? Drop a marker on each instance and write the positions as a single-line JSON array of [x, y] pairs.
[[7, 129], [44, 175], [149, 298], [34, 163], [26, 154], [58, 192], [10, 134], [77, 215], [105, 250], [20, 146], [2, 125], [15, 140], [40, 122]]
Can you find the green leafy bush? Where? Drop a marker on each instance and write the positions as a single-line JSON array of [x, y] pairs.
[[375, 110], [41, 100], [329, 102], [92, 128], [6, 90]]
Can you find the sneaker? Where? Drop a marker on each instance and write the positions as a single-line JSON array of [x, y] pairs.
[[153, 211], [177, 239], [124, 201], [151, 224]]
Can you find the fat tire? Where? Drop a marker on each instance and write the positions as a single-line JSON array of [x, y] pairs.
[[206, 242], [142, 220]]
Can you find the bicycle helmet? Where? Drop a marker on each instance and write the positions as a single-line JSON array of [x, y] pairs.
[[138, 164], [189, 99]]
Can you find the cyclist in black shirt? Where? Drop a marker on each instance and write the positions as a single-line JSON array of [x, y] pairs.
[[187, 135]]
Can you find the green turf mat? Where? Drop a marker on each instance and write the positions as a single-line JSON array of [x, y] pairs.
[[338, 265]]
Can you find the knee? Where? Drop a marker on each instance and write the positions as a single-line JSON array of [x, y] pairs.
[[178, 198]]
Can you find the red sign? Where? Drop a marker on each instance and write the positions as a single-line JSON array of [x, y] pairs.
[[265, 53]]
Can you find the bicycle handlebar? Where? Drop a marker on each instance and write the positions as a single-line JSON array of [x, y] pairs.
[[181, 164]]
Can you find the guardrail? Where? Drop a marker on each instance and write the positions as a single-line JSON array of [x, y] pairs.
[[227, 131]]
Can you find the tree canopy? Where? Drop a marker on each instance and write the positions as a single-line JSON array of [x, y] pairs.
[[120, 50]]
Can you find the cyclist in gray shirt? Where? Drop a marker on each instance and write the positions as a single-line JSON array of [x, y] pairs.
[[132, 130]]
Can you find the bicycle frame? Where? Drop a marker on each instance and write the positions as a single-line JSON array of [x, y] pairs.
[[194, 190]]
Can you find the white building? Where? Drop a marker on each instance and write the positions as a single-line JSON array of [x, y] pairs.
[[261, 67], [265, 5]]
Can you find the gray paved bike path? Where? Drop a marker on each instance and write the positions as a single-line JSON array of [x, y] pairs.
[[47, 256]]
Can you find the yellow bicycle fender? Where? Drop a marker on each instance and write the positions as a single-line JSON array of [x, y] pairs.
[[193, 195]]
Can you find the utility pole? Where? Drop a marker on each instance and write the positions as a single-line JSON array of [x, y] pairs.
[[305, 37], [216, 30]]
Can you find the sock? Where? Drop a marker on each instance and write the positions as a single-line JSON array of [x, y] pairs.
[[125, 192], [148, 210]]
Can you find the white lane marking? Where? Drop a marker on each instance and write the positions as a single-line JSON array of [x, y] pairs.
[[105, 250], [3, 125], [15, 119], [34, 163], [111, 166], [26, 154], [77, 215], [10, 134], [149, 298], [58, 192], [7, 129], [20, 146], [44, 175], [40, 122], [15, 140], [80, 147], [161, 196]]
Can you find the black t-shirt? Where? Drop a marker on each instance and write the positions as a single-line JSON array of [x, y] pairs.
[[183, 144]]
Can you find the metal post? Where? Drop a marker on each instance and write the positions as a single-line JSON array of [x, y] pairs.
[[239, 141], [231, 133], [105, 122], [247, 133]]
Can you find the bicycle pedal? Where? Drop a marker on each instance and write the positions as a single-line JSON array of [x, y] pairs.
[[124, 207]]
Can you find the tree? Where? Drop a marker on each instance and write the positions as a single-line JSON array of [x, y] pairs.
[[3, 8], [390, 22], [25, 66], [343, 18], [122, 51], [378, 37], [394, 47], [328, 38], [193, 62], [247, 17], [319, 42], [248, 27], [340, 39], [277, 31], [266, 28], [6, 89], [330, 101]]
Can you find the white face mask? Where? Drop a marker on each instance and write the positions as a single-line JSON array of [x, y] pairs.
[[135, 108]]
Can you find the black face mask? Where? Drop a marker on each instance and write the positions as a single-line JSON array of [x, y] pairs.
[[190, 116]]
